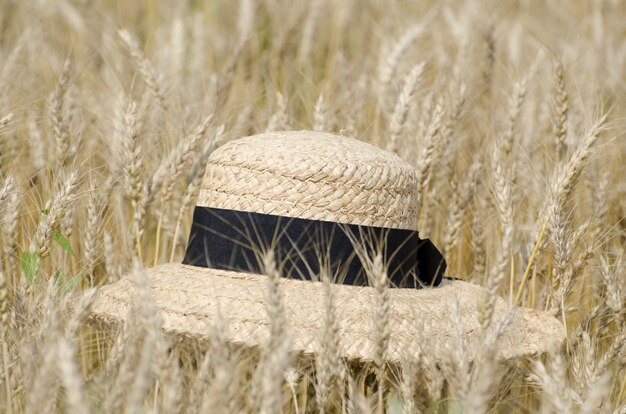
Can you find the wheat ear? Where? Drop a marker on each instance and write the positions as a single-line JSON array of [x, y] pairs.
[[426, 159], [5, 121], [504, 206], [193, 184], [563, 183], [131, 154], [222, 390], [36, 144], [403, 105], [58, 119], [147, 70], [459, 204], [279, 120], [276, 356], [567, 175], [329, 365], [181, 158], [4, 333], [93, 234], [381, 323], [515, 106], [171, 170], [320, 115], [70, 378], [41, 396], [6, 191], [51, 220], [561, 102], [10, 221], [389, 59]]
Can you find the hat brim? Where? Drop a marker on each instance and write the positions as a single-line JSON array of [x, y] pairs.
[[188, 300]]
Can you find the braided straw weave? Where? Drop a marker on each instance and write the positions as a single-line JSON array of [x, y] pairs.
[[312, 175], [319, 176]]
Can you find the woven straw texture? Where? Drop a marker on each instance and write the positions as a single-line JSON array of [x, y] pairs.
[[326, 177], [312, 175], [188, 300]]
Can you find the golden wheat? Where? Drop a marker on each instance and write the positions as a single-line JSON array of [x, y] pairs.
[[511, 113]]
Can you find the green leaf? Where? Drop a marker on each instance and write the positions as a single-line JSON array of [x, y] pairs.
[[30, 266], [65, 283], [45, 211], [63, 242]]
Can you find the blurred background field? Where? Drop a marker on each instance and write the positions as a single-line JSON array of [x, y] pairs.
[[512, 113]]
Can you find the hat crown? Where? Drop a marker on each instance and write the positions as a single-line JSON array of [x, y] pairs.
[[312, 175]]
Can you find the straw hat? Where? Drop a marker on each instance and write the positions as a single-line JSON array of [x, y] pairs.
[[317, 177]]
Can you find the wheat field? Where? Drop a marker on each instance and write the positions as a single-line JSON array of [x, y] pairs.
[[511, 112]]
